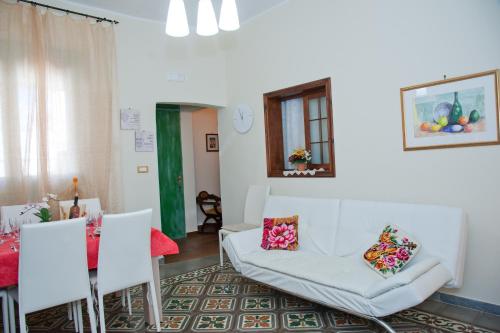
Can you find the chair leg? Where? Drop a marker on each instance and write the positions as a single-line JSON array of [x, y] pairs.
[[12, 315], [102, 322], [70, 312], [22, 322], [123, 297], [221, 254], [154, 301], [75, 316], [90, 311], [5, 312], [80, 316], [129, 302]]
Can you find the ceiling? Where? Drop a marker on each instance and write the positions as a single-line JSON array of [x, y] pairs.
[[157, 9]]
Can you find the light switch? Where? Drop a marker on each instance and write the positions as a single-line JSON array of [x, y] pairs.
[[142, 169]]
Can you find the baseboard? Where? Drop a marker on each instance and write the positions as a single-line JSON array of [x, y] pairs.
[[467, 303]]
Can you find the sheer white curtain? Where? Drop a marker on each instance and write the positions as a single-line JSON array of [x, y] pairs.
[[292, 113], [58, 109]]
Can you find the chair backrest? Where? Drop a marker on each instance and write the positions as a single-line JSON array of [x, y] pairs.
[[53, 266], [87, 207], [124, 251], [14, 212], [254, 204]]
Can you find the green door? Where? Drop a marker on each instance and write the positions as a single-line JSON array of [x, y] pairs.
[[168, 129]]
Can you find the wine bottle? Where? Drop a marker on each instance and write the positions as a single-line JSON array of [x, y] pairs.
[[456, 110], [74, 211]]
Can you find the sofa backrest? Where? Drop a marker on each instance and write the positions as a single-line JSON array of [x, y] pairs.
[[440, 230], [254, 203], [317, 220]]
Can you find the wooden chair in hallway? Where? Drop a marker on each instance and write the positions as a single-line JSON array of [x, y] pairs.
[[210, 206]]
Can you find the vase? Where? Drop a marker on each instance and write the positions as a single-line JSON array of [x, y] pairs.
[[300, 166]]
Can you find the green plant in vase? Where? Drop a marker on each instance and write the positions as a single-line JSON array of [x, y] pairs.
[[44, 215]]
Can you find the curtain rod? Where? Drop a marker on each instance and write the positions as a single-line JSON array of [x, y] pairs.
[[67, 11]]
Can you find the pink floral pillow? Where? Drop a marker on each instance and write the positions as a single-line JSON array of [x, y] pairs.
[[281, 233], [394, 250]]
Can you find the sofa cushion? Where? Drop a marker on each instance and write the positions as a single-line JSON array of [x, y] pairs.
[[318, 219], [344, 273], [393, 251], [280, 233]]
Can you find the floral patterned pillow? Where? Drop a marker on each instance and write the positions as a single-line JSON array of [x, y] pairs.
[[394, 250], [281, 233]]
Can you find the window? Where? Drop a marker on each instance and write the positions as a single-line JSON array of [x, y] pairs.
[[300, 117]]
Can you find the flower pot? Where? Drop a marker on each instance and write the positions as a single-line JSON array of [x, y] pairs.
[[301, 166]]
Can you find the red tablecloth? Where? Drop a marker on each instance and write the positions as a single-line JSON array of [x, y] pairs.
[[9, 260]]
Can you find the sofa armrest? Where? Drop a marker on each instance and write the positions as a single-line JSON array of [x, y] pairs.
[[244, 242], [402, 278]]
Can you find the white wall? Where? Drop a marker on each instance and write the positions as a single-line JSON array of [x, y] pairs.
[[371, 49], [144, 57], [206, 163]]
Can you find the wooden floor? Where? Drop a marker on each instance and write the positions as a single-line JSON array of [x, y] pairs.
[[195, 245]]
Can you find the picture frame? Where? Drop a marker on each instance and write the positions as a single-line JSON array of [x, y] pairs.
[[212, 142], [450, 113]]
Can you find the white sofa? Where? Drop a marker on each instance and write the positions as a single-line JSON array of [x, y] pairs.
[[333, 234]]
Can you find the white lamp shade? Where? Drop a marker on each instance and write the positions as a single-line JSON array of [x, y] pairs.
[[177, 23], [229, 20], [207, 22]]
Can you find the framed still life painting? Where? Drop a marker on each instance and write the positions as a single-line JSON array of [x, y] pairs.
[[456, 112]]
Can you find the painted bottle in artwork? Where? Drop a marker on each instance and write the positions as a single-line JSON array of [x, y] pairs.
[[456, 110]]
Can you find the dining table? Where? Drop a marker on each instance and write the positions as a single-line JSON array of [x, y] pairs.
[[161, 245]]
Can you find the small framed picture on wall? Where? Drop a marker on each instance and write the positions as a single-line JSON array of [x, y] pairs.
[[212, 142]]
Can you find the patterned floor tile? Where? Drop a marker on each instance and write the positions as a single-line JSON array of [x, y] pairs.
[[223, 290], [212, 322], [257, 322], [262, 303], [124, 322], [218, 304], [224, 277], [300, 321], [341, 320], [188, 290], [294, 303], [257, 289], [180, 304], [199, 279], [172, 323]]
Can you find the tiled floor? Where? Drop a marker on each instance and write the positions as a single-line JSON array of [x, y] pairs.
[[475, 317]]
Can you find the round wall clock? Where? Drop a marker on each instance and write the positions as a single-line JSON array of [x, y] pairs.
[[242, 118]]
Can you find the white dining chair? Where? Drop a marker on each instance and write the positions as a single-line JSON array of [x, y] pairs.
[[252, 214], [125, 258], [53, 270], [88, 206], [14, 212], [5, 311]]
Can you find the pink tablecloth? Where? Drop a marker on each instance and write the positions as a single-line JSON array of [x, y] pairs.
[[9, 260]]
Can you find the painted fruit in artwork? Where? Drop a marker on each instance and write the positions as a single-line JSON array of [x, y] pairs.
[[425, 126], [462, 120], [443, 121], [453, 128], [474, 116], [436, 128], [442, 110], [468, 128]]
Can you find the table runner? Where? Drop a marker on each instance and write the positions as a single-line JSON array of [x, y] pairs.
[[161, 245]]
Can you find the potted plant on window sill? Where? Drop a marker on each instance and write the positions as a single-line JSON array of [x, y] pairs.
[[299, 158]]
